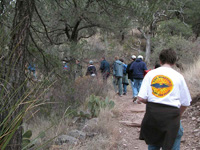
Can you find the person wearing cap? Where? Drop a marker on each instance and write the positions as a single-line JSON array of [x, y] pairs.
[[91, 70], [137, 68], [166, 95], [130, 73]]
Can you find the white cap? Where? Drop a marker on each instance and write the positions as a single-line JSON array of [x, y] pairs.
[[140, 56], [91, 62], [133, 56]]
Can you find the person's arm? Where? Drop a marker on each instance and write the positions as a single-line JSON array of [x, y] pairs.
[[182, 109], [141, 100], [114, 71], [127, 69], [131, 67], [102, 66]]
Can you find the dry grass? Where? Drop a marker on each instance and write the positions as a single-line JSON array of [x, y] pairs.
[[192, 76], [107, 133], [51, 129]]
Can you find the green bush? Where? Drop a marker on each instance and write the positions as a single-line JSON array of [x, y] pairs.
[[95, 104]]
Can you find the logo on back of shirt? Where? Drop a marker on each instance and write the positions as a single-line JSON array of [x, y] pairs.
[[161, 86]]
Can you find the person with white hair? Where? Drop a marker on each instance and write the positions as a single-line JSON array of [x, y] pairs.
[[130, 73], [91, 70], [137, 68]]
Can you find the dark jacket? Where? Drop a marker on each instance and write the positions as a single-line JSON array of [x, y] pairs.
[[91, 70], [105, 66], [137, 68], [130, 73], [118, 68]]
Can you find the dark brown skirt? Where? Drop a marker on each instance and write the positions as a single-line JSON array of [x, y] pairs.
[[160, 125]]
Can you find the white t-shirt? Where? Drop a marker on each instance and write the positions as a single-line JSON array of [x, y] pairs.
[[166, 86]]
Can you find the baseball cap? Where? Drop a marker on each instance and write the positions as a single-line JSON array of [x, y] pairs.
[[140, 56], [133, 56]]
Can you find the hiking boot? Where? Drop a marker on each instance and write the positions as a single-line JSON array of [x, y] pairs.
[[134, 99]]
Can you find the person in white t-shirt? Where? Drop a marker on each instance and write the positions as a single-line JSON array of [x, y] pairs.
[[166, 94]]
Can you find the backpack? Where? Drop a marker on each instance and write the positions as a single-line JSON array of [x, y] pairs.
[[124, 68], [92, 70]]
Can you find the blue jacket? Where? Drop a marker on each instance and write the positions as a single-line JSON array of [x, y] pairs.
[[105, 66], [118, 68], [137, 68]]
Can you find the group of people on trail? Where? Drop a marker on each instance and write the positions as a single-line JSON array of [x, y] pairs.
[[134, 71], [162, 89]]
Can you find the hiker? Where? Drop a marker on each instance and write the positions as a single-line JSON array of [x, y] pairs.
[[137, 67], [166, 95], [91, 70], [118, 74], [105, 69], [65, 66], [124, 78], [78, 72], [31, 69], [130, 73]]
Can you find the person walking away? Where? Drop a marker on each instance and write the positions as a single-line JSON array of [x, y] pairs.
[[166, 95], [124, 78], [91, 70], [78, 72], [130, 73], [138, 67], [118, 74], [105, 69]]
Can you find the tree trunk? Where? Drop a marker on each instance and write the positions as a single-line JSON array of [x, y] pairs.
[[148, 48], [15, 69]]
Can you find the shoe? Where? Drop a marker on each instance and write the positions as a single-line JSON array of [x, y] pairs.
[[120, 95], [124, 93], [134, 99], [137, 102]]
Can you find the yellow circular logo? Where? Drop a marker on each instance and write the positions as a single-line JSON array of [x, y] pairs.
[[161, 86]]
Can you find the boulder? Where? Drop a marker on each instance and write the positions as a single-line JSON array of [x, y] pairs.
[[77, 134], [66, 139]]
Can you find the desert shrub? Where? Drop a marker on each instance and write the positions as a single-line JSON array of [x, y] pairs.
[[178, 43], [95, 104], [192, 75], [71, 94], [174, 27]]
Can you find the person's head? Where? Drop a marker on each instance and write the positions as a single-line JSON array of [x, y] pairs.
[[91, 62], [116, 57], [140, 57], [77, 61], [133, 57], [157, 64], [121, 60], [168, 56], [103, 58]]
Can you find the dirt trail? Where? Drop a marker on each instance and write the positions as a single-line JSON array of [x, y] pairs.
[[133, 113], [130, 113]]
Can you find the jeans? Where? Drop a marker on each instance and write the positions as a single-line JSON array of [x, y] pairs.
[[125, 88], [132, 83], [114, 84], [136, 86], [117, 81], [177, 142]]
